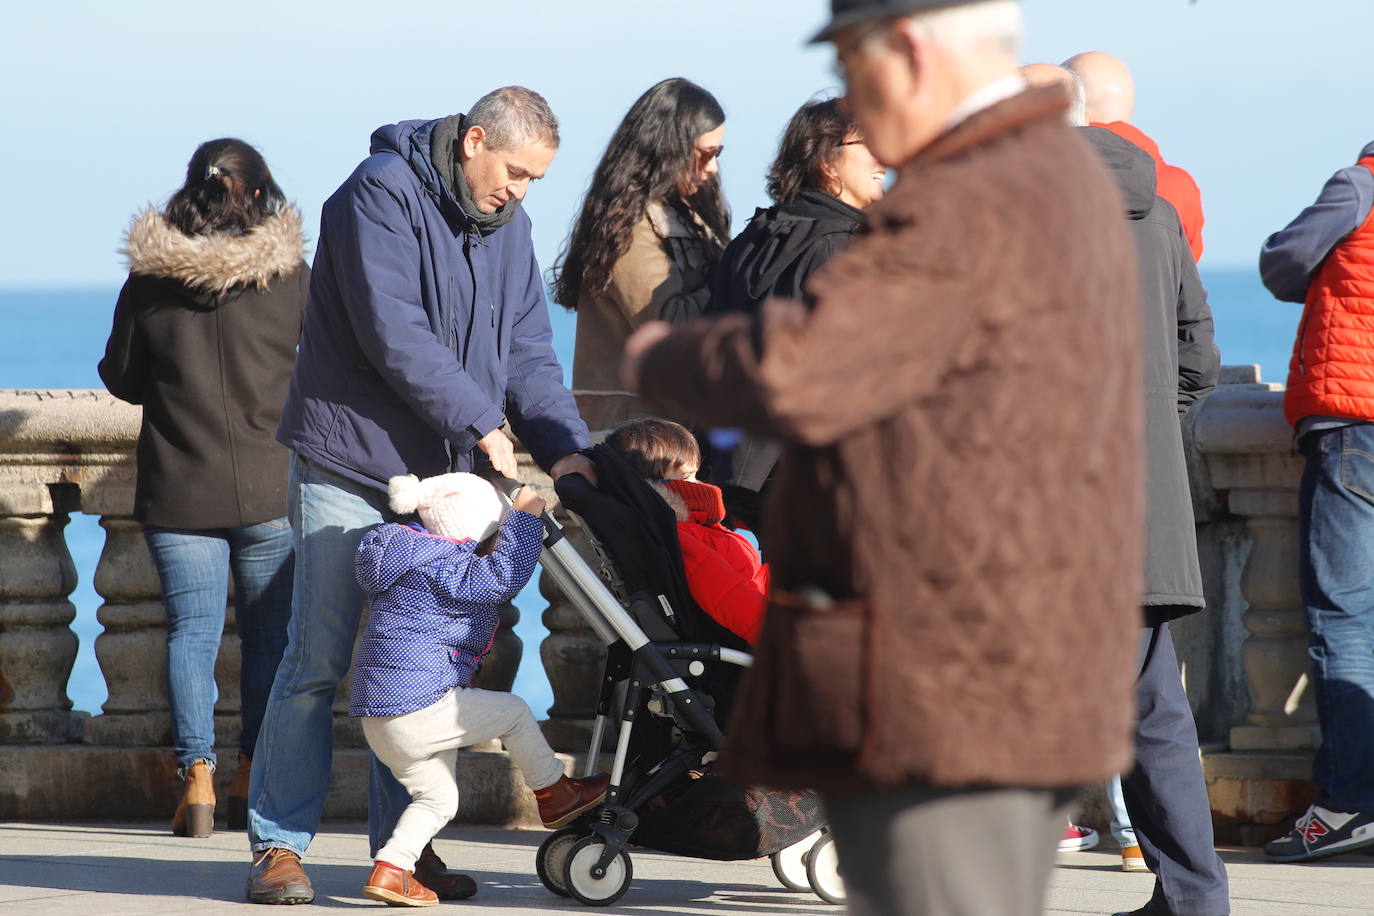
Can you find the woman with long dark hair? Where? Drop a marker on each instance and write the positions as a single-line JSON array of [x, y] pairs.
[[652, 226], [204, 338], [822, 180]]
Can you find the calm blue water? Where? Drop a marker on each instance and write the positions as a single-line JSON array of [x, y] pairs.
[[53, 339]]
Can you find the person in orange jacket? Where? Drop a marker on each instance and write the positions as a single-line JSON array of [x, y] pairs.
[[725, 574], [1110, 92]]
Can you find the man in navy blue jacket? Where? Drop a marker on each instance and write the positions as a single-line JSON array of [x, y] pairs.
[[426, 330]]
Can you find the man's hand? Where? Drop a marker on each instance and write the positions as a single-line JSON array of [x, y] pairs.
[[574, 464], [639, 343], [500, 451], [528, 500]]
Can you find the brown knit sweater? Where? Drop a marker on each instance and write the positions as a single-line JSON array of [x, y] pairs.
[[963, 461]]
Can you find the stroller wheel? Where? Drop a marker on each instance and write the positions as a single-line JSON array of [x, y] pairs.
[[790, 864], [583, 885], [548, 861], [823, 871]]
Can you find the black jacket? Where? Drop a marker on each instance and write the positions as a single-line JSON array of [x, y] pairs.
[[775, 255], [779, 250], [204, 337], [1181, 368]]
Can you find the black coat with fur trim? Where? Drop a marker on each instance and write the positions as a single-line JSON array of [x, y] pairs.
[[204, 337]]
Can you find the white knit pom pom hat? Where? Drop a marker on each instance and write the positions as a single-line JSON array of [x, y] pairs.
[[459, 506]]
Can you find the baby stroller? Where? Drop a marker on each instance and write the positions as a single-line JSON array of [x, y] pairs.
[[670, 676]]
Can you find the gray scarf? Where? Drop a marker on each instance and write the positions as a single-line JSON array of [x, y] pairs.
[[444, 142]]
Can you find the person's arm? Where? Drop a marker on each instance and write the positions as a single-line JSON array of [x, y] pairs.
[[1291, 257], [542, 410], [124, 367], [376, 254], [734, 600], [824, 375], [647, 285], [499, 576], [1199, 361]]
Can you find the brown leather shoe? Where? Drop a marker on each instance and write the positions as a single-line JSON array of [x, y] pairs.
[[236, 814], [277, 877], [431, 871], [567, 798], [397, 887], [195, 815]]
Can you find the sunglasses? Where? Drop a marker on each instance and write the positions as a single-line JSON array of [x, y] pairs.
[[704, 156]]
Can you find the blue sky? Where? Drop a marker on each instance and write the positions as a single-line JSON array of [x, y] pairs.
[[103, 102]]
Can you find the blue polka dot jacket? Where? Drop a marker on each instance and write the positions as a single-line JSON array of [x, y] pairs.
[[434, 610]]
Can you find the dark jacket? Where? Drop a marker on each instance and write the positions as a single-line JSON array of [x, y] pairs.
[[775, 255], [434, 609], [204, 338], [779, 251], [422, 335], [963, 476], [1181, 367]]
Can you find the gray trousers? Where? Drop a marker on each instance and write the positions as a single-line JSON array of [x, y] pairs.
[[925, 851]]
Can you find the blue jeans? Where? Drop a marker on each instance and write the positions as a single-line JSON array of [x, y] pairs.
[[1122, 830], [290, 779], [194, 568], [1336, 535]]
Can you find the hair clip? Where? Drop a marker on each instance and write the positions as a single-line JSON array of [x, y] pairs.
[[213, 171]]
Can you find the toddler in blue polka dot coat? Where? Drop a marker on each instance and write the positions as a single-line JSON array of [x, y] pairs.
[[435, 588]]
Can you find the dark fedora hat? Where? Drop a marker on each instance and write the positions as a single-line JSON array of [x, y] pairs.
[[844, 13]]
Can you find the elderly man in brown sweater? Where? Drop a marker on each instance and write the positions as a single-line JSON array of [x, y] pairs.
[[956, 530]]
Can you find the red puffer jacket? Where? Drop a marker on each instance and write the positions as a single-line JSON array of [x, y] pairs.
[[724, 572]]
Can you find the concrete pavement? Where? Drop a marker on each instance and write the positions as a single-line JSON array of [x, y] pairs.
[[137, 869]]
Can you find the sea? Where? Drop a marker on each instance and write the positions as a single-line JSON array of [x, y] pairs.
[[53, 338]]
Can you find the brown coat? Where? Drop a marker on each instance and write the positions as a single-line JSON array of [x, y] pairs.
[[964, 461], [664, 276]]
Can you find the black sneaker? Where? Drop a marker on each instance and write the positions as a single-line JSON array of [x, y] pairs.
[[1321, 832]]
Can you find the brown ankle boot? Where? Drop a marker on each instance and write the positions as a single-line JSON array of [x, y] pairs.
[[561, 802], [277, 877], [397, 887], [195, 814], [237, 812]]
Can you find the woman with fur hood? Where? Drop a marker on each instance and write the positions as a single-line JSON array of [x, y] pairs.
[[204, 339]]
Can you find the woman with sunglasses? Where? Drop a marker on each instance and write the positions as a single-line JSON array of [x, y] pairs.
[[822, 180], [650, 232]]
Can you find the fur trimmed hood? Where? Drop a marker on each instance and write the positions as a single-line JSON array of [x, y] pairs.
[[217, 262], [675, 502]]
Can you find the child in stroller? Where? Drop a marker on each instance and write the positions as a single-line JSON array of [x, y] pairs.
[[671, 671], [724, 573]]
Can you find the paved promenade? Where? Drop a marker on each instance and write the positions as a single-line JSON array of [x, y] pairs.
[[117, 869]]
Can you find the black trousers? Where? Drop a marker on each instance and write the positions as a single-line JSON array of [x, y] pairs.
[[1166, 794]]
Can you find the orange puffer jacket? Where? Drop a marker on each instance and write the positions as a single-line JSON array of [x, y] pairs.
[[724, 572], [1332, 370]]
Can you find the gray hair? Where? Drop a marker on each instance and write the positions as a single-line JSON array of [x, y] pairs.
[[974, 27], [1078, 101], [514, 116]]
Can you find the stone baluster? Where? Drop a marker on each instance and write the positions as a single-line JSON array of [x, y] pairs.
[[1247, 446], [37, 645]]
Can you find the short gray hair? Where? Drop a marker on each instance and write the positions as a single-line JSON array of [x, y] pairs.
[[973, 27], [514, 116]]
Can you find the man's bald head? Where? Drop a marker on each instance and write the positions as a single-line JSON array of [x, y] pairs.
[[1055, 75], [1108, 84]]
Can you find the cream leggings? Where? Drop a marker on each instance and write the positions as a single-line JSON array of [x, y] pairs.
[[421, 750]]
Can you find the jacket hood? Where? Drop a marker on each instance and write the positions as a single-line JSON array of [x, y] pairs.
[[413, 141], [219, 261], [388, 552], [1130, 165], [788, 231], [692, 500]]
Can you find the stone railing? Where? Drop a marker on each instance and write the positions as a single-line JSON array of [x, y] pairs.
[[72, 451]]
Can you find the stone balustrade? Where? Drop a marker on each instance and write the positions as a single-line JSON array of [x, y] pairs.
[[61, 452]]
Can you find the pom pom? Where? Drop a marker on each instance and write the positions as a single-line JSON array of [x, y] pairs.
[[403, 493]]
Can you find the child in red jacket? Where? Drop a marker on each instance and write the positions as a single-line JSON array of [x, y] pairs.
[[724, 572]]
